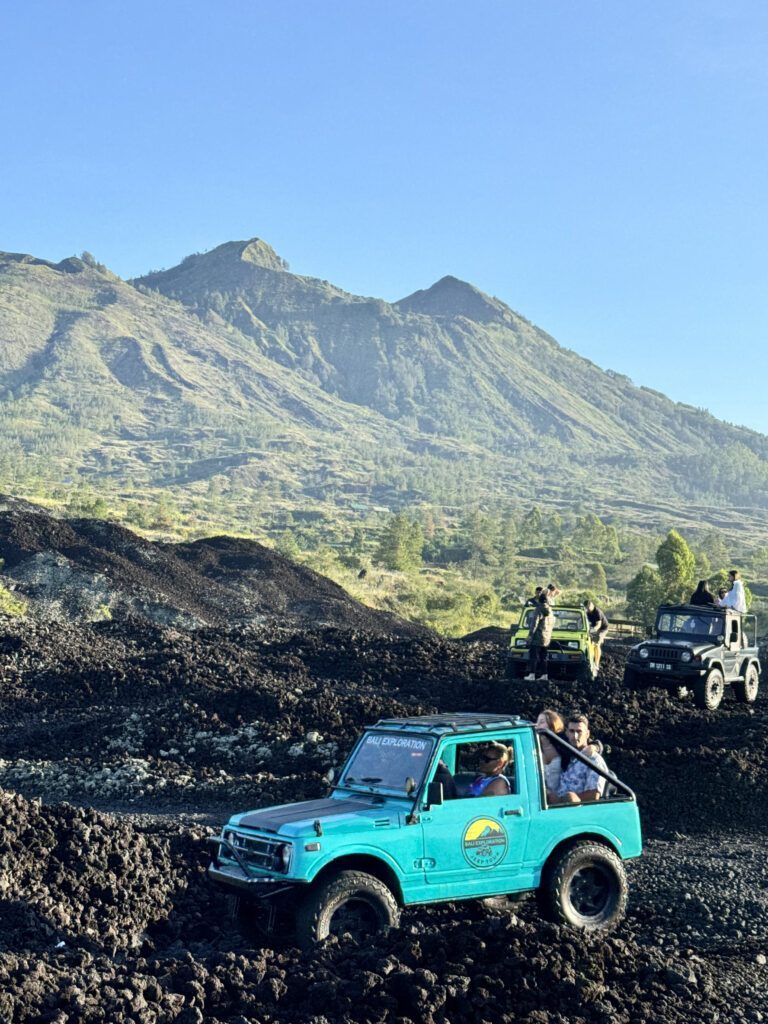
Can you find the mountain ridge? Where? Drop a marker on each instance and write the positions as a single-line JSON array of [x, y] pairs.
[[231, 365]]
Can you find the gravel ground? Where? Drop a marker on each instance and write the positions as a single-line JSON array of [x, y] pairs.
[[108, 916], [229, 679]]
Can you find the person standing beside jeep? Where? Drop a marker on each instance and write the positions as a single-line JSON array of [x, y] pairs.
[[598, 627], [540, 635]]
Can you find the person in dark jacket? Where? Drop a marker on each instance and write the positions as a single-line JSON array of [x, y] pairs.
[[539, 637], [532, 601], [702, 594]]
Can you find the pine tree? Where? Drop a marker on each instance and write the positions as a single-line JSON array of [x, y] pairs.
[[401, 544], [644, 594]]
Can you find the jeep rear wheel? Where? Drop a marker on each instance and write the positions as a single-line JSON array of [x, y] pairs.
[[585, 887], [350, 902], [708, 692], [745, 690]]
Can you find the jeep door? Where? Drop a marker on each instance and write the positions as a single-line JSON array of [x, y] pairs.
[[732, 655], [475, 845]]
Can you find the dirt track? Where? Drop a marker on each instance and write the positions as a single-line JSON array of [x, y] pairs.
[[175, 730]]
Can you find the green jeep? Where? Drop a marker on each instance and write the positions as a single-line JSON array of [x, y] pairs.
[[399, 828], [572, 652]]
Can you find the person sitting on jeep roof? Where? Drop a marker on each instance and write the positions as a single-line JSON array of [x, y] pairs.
[[702, 594], [493, 758], [532, 601], [735, 597], [578, 782]]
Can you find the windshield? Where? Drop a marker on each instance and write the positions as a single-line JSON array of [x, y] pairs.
[[385, 761], [682, 625], [569, 620]]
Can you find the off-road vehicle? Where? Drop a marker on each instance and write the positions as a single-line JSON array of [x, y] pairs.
[[387, 836], [698, 649], [571, 650]]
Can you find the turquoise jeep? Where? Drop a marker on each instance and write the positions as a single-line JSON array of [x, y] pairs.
[[389, 836]]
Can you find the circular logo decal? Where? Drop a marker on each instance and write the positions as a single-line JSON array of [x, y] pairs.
[[484, 843]]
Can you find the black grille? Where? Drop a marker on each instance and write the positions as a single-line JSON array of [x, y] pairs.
[[260, 853], [664, 653]]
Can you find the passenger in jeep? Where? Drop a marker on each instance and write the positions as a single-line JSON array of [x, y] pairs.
[[702, 594], [493, 758], [578, 782]]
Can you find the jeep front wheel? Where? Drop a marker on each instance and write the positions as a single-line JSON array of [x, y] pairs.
[[350, 902], [585, 887], [745, 690], [708, 692]]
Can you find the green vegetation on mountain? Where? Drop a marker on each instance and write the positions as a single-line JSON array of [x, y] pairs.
[[443, 443]]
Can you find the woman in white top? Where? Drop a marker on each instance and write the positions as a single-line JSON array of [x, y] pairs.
[[549, 719]]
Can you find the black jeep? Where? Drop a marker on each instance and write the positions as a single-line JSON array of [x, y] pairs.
[[698, 649]]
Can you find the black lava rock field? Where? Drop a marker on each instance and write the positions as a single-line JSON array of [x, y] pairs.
[[124, 744]]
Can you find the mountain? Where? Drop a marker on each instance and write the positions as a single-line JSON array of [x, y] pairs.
[[231, 367], [453, 362], [102, 378]]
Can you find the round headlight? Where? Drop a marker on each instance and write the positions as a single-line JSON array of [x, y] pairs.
[[686, 656], [643, 652]]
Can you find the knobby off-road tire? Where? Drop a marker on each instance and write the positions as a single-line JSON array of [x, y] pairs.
[[746, 691], [585, 888], [350, 901], [708, 692]]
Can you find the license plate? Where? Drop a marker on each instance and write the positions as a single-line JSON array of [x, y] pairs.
[[659, 666]]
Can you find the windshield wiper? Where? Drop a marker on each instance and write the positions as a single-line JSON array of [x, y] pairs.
[[369, 778]]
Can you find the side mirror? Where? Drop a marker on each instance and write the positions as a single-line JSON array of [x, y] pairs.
[[410, 785], [435, 793]]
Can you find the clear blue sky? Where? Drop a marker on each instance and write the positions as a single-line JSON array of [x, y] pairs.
[[599, 165]]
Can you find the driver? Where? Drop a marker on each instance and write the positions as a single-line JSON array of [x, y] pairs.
[[493, 758]]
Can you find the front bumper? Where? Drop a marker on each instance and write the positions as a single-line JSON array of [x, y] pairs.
[[238, 877], [556, 658], [678, 674]]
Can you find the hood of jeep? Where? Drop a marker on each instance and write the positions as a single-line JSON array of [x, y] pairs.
[[298, 819], [694, 646]]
